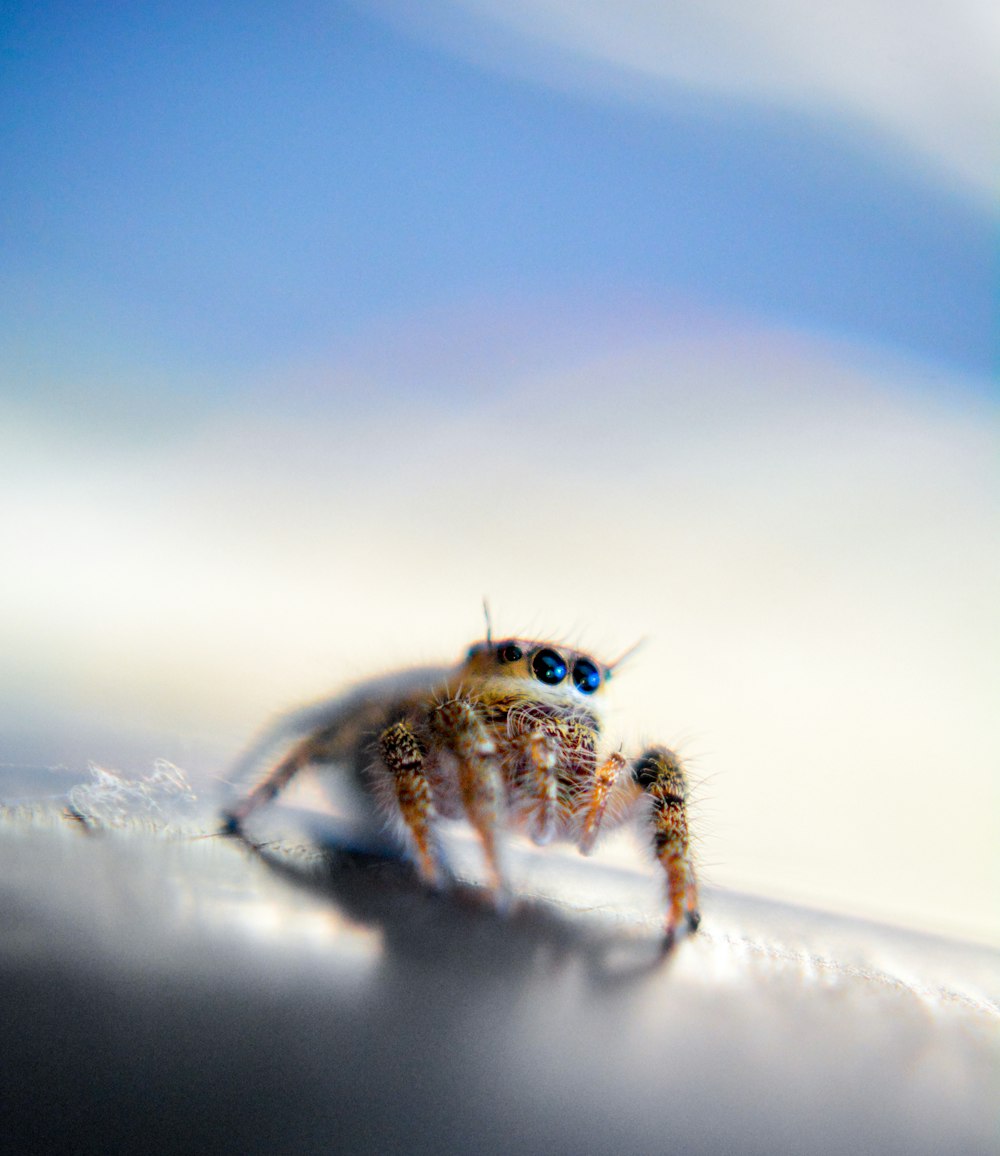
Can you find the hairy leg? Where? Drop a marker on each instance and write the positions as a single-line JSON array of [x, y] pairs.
[[459, 729], [309, 750], [537, 771], [660, 774], [403, 755], [605, 778]]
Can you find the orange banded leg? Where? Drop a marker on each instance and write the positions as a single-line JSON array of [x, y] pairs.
[[660, 774], [403, 756], [480, 783], [605, 777]]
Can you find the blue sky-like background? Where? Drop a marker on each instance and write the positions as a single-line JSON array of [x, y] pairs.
[[223, 185], [320, 321]]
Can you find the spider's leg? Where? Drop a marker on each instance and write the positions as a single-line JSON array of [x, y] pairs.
[[309, 750], [605, 778], [537, 754], [660, 774], [403, 754], [462, 733]]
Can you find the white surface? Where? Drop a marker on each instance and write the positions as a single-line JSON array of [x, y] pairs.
[[177, 991]]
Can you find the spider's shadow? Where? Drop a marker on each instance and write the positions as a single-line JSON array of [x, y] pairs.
[[422, 928]]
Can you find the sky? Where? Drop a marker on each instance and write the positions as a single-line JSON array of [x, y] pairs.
[[319, 323]]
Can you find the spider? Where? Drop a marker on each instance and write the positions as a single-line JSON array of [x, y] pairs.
[[509, 739]]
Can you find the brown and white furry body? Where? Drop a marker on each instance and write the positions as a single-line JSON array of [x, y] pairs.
[[510, 740]]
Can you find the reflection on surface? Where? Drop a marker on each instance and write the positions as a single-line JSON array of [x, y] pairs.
[[313, 992]]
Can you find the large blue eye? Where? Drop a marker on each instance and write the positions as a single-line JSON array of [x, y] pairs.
[[586, 676], [549, 667], [508, 652]]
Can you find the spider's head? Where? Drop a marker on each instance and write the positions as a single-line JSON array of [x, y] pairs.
[[545, 663]]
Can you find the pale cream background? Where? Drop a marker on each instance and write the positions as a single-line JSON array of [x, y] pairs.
[[805, 533]]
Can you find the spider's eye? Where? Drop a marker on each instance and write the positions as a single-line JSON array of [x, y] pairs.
[[509, 652], [549, 667], [586, 676]]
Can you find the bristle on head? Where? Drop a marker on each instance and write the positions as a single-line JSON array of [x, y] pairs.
[[613, 666]]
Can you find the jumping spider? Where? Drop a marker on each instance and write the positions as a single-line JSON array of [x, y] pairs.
[[509, 739]]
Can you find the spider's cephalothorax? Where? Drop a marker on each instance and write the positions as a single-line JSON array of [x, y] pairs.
[[510, 739]]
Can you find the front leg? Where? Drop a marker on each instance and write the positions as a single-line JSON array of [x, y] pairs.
[[536, 759], [461, 732], [660, 775], [606, 777], [403, 755]]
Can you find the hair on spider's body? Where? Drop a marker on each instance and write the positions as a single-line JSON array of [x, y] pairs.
[[510, 739]]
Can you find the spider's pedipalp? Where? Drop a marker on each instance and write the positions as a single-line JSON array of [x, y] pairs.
[[536, 754], [460, 731]]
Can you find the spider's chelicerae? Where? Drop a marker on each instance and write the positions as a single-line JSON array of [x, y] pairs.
[[509, 739]]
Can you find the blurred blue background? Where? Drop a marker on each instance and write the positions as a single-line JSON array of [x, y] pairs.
[[224, 185], [319, 322]]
